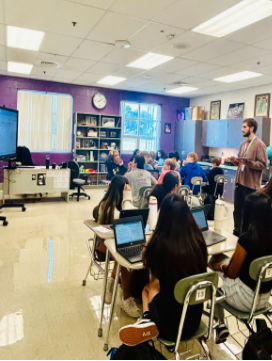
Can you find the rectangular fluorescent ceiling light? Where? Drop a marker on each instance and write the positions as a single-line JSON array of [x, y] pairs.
[[24, 38], [111, 80], [150, 61], [243, 75], [237, 17], [182, 89], [19, 67]]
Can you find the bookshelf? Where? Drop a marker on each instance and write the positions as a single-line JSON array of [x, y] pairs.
[[95, 136]]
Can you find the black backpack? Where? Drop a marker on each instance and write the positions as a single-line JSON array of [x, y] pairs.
[[259, 345], [143, 351]]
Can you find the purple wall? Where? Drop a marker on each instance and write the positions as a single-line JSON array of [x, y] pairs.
[[82, 100]]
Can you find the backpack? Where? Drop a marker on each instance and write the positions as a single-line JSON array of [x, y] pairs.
[[259, 345], [143, 351]]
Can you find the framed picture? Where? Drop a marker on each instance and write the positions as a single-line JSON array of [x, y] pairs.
[[262, 105], [113, 134], [167, 128], [215, 109], [236, 111], [108, 122]]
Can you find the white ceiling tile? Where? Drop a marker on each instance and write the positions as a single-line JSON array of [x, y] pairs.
[[213, 49], [41, 77], [115, 27], [3, 72], [3, 65], [254, 63], [31, 14], [50, 57], [78, 64], [39, 71], [1, 12], [141, 8], [103, 68], [218, 73], [22, 56], [198, 69], [266, 69], [265, 44], [238, 56], [190, 13], [206, 84], [176, 65], [59, 44], [66, 74], [193, 40], [102, 4], [2, 34], [151, 36], [193, 80], [122, 57], [92, 50], [133, 82], [89, 78], [127, 72], [2, 53], [254, 33], [262, 80], [67, 12]]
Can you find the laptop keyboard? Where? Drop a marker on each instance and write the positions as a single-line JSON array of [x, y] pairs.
[[131, 251]]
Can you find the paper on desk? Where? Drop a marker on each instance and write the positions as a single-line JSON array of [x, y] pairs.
[[102, 229]]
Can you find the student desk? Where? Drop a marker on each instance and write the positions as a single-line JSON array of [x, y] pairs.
[[227, 246], [36, 180]]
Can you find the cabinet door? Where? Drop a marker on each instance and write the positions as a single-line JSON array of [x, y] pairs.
[[219, 131], [207, 135], [234, 133], [189, 136], [179, 138]]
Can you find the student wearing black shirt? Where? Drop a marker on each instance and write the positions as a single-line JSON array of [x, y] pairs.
[[254, 242], [115, 165], [175, 251]]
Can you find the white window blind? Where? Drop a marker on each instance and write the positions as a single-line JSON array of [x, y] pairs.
[[45, 121]]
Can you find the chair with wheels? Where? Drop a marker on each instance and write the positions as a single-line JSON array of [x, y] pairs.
[[184, 191], [76, 181], [4, 220], [194, 290], [260, 270], [144, 194]]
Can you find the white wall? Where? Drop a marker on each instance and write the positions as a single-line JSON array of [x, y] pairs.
[[246, 96]]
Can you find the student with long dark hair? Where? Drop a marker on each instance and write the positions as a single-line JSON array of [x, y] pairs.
[[176, 250], [170, 184], [136, 152], [267, 189], [117, 197], [254, 242], [160, 157]]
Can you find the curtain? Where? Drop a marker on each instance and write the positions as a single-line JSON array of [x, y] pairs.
[[45, 121]]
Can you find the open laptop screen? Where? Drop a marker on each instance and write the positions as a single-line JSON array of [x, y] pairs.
[[199, 216], [129, 232]]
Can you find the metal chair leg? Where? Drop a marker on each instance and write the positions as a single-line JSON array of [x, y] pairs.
[[100, 330], [205, 349]]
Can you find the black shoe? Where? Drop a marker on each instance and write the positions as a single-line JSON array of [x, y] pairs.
[[222, 333], [236, 233]]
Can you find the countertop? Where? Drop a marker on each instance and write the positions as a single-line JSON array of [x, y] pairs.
[[221, 166]]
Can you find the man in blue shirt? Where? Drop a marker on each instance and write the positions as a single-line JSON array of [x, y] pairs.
[[191, 169], [147, 166]]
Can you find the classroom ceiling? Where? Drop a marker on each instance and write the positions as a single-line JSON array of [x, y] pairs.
[[85, 53]]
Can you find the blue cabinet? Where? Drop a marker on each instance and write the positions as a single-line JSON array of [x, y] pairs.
[[214, 133], [234, 133]]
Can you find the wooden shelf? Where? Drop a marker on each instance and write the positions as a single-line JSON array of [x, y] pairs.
[[97, 126]]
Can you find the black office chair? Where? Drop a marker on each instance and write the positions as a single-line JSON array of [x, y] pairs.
[[76, 182]]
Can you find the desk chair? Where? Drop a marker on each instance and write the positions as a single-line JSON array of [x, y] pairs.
[[4, 220], [144, 193], [260, 270], [76, 182], [194, 290]]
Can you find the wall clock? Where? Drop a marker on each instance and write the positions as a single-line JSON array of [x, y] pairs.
[[99, 100]]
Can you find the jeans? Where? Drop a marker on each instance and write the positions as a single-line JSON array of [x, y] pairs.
[[241, 192]]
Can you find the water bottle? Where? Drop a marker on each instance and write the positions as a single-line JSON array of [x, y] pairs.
[[219, 214], [47, 161], [153, 213]]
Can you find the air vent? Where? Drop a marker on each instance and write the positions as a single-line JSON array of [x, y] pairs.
[[50, 64]]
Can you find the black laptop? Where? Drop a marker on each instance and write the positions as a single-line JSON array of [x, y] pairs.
[[127, 213], [129, 238], [209, 236]]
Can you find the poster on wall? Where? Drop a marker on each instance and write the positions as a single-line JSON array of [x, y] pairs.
[[215, 109], [236, 111], [167, 128], [262, 105]]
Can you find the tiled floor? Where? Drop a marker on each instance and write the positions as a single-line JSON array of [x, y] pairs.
[[45, 312]]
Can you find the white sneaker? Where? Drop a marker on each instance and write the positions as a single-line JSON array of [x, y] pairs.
[[109, 291], [129, 306], [141, 331]]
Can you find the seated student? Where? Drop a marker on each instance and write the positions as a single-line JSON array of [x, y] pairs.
[[170, 184], [151, 159], [139, 178], [175, 155], [175, 251], [136, 152], [191, 169], [267, 189], [210, 189], [169, 165], [118, 197], [147, 166], [114, 165], [160, 157], [254, 242]]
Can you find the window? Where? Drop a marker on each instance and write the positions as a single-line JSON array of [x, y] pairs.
[[141, 123], [45, 121]]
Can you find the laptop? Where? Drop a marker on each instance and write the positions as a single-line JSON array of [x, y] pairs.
[[129, 238], [201, 220], [126, 213]]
